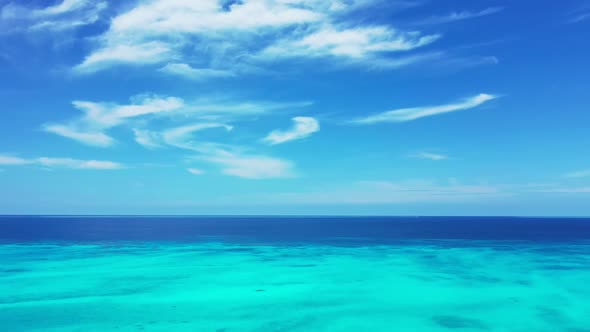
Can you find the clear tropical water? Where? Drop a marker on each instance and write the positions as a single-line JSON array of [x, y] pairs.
[[294, 274]]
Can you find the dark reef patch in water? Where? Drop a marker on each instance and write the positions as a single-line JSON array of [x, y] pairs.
[[17, 270], [302, 265], [565, 267], [458, 322], [551, 315]]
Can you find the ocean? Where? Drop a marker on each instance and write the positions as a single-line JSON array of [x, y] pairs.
[[222, 274]]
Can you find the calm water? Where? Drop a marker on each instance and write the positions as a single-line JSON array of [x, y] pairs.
[[294, 274]]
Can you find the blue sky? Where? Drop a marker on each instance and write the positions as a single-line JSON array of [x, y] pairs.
[[295, 107]]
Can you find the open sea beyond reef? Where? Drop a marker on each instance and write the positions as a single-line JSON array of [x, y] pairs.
[[294, 274]]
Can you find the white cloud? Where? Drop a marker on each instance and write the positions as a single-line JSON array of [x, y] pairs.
[[430, 155], [228, 39], [155, 31], [98, 117], [163, 16], [195, 171], [65, 15], [10, 160], [79, 164], [231, 160], [578, 174], [133, 54], [182, 137], [213, 108], [89, 138], [147, 138], [303, 127], [410, 114], [353, 43], [251, 166], [145, 112], [61, 163], [186, 71], [460, 16]]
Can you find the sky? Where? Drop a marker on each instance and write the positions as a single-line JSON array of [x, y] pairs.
[[339, 107]]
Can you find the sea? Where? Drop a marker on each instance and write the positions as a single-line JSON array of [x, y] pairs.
[[270, 273]]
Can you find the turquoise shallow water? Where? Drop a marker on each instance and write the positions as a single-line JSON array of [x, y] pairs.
[[222, 286]]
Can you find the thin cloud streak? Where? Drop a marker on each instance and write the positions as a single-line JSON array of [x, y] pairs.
[[79, 164], [89, 138], [8, 160], [579, 18], [430, 156], [354, 43], [67, 15], [414, 113], [303, 127], [196, 74], [255, 167], [195, 171], [578, 174], [459, 16], [69, 163]]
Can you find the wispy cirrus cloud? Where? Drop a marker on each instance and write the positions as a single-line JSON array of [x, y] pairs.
[[197, 74], [232, 160], [195, 171], [98, 117], [182, 137], [355, 43], [95, 138], [78, 164], [136, 54], [580, 17], [579, 14], [147, 138], [70, 163], [230, 36], [578, 174], [429, 155], [414, 113], [64, 15], [11, 160], [302, 128], [459, 16], [251, 166]]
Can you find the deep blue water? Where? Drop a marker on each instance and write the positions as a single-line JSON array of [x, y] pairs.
[[274, 230]]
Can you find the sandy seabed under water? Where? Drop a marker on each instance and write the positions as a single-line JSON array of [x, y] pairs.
[[429, 286]]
